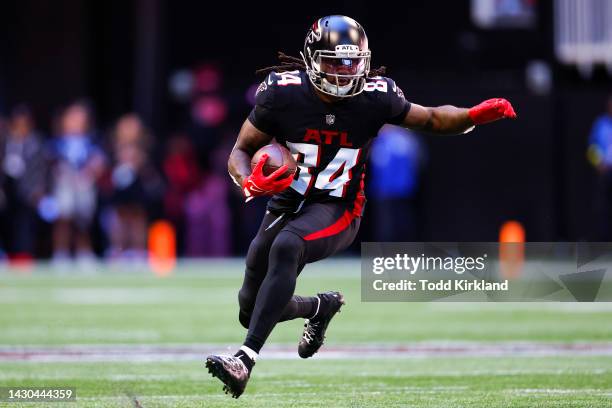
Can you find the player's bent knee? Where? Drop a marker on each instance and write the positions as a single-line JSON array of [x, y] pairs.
[[244, 318], [287, 247], [257, 253], [245, 300], [246, 304]]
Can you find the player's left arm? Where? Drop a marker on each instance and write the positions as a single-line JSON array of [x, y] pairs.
[[451, 120]]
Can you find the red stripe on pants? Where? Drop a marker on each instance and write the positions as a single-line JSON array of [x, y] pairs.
[[340, 225]]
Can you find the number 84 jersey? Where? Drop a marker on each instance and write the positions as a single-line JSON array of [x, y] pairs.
[[329, 141]]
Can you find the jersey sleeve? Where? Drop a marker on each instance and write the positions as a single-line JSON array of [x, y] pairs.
[[264, 115], [398, 106]]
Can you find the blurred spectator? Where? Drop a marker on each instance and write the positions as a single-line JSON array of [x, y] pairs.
[[600, 143], [78, 162], [600, 156], [22, 183], [183, 175], [3, 126], [136, 185], [396, 159], [208, 231]]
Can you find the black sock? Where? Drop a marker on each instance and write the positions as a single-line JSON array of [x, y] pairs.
[[305, 307], [254, 342], [245, 359], [300, 307]]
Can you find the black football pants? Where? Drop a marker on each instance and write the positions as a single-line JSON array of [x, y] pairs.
[[276, 256]]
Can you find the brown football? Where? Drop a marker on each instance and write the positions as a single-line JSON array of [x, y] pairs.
[[278, 157]]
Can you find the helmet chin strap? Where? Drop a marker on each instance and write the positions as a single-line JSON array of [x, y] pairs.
[[336, 89]]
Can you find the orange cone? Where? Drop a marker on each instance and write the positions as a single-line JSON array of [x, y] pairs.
[[162, 248], [511, 249]]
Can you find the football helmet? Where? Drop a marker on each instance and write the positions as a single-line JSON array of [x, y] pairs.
[[336, 56]]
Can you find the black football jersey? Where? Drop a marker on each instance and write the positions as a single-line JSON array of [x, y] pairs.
[[329, 141]]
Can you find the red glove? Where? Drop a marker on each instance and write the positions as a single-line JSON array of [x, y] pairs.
[[491, 110], [258, 184]]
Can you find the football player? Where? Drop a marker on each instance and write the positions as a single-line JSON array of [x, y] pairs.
[[325, 108]]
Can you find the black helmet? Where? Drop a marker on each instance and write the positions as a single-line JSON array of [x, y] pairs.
[[336, 55]]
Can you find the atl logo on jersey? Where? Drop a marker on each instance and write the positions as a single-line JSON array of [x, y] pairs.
[[327, 137]]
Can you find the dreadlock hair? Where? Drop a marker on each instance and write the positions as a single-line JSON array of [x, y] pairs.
[[289, 63]]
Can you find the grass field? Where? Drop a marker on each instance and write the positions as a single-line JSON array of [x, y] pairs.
[[420, 354]]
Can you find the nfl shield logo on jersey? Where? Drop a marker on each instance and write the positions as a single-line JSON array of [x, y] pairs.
[[330, 119], [261, 87]]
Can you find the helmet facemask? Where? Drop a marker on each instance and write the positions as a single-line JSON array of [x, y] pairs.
[[340, 73]]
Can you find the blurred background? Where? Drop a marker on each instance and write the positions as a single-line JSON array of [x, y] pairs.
[[116, 122], [115, 116]]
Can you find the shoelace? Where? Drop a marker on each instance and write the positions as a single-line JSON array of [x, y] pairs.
[[235, 364], [309, 330]]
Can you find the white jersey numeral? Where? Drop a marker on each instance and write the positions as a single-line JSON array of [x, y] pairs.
[[334, 177], [379, 85], [289, 78], [307, 157], [337, 174]]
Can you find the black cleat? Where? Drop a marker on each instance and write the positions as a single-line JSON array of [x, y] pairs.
[[314, 329], [232, 372]]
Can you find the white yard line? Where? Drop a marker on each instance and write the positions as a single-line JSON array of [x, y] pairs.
[[148, 353], [560, 391]]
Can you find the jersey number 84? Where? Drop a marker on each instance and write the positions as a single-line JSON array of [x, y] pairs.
[[334, 177]]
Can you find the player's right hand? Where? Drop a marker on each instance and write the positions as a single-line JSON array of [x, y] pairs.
[[258, 184], [491, 110]]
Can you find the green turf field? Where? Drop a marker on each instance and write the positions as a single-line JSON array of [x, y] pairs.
[[197, 306]]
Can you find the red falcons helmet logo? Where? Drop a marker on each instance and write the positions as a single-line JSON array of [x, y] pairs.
[[315, 33]]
